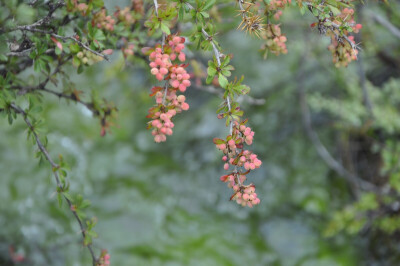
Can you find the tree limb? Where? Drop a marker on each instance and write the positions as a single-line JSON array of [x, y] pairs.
[[385, 23], [321, 149]]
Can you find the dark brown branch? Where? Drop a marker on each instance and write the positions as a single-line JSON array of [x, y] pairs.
[[54, 166], [319, 146]]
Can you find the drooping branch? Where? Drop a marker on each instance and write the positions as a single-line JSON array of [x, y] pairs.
[[54, 166]]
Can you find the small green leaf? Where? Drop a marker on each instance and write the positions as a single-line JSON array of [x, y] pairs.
[[165, 29], [223, 81]]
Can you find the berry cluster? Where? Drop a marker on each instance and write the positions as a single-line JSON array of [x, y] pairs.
[[275, 4], [342, 52], [127, 50], [347, 15], [237, 157], [246, 195], [83, 8], [162, 63], [164, 66], [124, 16], [87, 58], [104, 259], [137, 6], [275, 41], [102, 21], [275, 7]]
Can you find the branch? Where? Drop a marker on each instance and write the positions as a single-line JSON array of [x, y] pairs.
[[20, 54], [42, 87], [156, 7], [64, 38], [45, 20], [33, 28], [361, 71], [46, 154], [386, 23], [321, 149]]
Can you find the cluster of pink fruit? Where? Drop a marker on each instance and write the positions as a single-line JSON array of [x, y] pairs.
[[237, 157], [103, 21], [275, 41], [177, 79], [162, 66], [274, 4], [347, 15]]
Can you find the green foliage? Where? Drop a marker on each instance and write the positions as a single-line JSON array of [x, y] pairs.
[[163, 205]]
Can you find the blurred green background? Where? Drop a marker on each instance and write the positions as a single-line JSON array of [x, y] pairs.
[[163, 204]]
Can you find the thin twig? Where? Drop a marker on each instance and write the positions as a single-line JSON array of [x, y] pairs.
[[215, 49], [64, 38], [165, 92], [156, 7]]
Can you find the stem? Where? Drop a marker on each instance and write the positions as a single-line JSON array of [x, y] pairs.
[[165, 92], [156, 7]]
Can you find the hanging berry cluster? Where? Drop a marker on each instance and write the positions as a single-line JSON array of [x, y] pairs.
[[239, 162], [166, 62]]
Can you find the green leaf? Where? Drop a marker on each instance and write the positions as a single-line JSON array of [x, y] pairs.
[[223, 81], [99, 35], [74, 48], [165, 29], [218, 141], [209, 79], [209, 4], [334, 10], [98, 3], [181, 13], [211, 71]]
